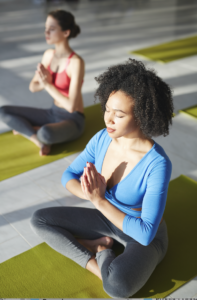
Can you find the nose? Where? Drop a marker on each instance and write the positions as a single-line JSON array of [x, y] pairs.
[[109, 118]]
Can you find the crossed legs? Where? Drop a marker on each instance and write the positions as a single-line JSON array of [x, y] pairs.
[[39, 126], [80, 233]]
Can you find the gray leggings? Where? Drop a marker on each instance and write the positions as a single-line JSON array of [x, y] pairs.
[[57, 124], [123, 275]]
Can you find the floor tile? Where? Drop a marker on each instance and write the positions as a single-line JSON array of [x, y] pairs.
[[73, 200], [6, 230], [47, 169], [20, 220], [8, 202], [14, 182], [186, 124], [20, 197], [186, 291], [72, 157], [181, 166], [180, 142], [51, 184], [13, 247]]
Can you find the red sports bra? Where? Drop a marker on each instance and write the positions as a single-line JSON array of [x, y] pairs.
[[61, 80]]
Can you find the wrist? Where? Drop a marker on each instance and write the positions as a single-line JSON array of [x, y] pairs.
[[98, 203], [46, 85]]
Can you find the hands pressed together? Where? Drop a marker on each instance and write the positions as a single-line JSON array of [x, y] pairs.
[[44, 75], [93, 184]]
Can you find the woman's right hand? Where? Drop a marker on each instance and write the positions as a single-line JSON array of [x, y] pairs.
[[43, 74], [93, 184]]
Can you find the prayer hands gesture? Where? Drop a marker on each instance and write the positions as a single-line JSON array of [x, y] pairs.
[[44, 75], [93, 184]]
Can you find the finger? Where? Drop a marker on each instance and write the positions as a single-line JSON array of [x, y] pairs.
[[39, 67], [89, 176], [86, 185], [99, 180], [40, 73], [82, 185], [85, 173], [102, 178], [42, 68], [92, 174]]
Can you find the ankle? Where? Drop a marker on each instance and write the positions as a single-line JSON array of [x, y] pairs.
[[35, 140], [93, 267]]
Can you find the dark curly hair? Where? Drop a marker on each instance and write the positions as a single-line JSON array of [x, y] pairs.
[[153, 104]]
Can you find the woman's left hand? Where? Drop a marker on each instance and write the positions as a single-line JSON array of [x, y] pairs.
[[93, 184], [44, 74]]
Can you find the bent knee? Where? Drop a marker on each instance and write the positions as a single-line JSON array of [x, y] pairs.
[[45, 134], [118, 288], [37, 218]]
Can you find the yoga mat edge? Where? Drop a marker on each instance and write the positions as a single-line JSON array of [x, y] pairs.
[[169, 51]]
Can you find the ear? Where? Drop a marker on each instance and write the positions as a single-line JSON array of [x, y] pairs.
[[66, 33]]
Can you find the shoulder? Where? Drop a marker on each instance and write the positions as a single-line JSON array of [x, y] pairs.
[[77, 61], [99, 139], [161, 154], [47, 57], [100, 136], [160, 161]]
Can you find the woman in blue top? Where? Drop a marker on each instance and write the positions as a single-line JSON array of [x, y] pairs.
[[125, 174]]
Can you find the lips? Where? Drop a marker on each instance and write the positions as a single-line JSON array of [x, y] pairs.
[[110, 130]]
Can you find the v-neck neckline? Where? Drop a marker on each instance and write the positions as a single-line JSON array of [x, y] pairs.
[[110, 140]]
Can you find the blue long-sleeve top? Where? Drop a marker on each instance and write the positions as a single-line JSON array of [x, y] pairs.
[[145, 186]]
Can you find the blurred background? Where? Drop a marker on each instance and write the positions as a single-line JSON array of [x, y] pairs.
[[109, 30]]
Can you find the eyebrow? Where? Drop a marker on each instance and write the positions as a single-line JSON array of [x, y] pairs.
[[118, 110]]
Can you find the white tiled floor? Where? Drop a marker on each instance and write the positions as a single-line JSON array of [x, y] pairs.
[[110, 29]]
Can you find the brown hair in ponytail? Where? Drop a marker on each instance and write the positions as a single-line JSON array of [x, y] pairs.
[[66, 21]]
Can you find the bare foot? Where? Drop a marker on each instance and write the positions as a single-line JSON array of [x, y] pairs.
[[45, 150], [18, 133], [15, 132], [93, 245], [101, 248]]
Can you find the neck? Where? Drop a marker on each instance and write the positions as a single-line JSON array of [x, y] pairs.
[[62, 49], [135, 141]]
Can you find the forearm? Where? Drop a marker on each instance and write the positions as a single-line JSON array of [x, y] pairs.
[[36, 86], [61, 99], [74, 186], [112, 213]]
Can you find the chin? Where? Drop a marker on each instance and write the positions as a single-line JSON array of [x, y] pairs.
[[49, 42], [113, 134]]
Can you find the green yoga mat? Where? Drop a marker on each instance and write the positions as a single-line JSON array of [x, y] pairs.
[[191, 111], [18, 155], [170, 51], [43, 273]]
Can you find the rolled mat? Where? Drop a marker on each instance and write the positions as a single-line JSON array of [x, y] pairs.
[[41, 272], [170, 51], [18, 155], [191, 111]]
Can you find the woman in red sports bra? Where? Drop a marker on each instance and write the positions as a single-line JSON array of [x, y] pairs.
[[60, 74]]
